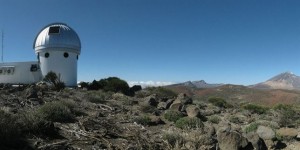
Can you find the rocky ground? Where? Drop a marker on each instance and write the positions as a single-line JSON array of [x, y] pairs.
[[35, 117]]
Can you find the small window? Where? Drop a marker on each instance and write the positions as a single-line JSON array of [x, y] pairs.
[[33, 68], [77, 57], [1, 71], [66, 55], [53, 30], [8, 71], [47, 55]]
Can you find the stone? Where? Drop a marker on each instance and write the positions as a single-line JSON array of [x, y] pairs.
[[190, 145], [265, 133], [169, 103], [287, 133], [176, 106], [151, 100], [192, 111], [184, 99], [209, 130], [231, 140], [256, 141], [298, 136], [155, 120], [162, 105], [208, 112]]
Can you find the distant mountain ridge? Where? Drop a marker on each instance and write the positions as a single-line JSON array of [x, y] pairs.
[[286, 80], [197, 84]]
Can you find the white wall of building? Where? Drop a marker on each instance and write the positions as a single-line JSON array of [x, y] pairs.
[[65, 67], [20, 73]]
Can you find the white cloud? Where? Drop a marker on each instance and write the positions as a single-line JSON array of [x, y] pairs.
[[149, 83]]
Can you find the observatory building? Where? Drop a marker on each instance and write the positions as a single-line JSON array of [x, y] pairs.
[[57, 47]]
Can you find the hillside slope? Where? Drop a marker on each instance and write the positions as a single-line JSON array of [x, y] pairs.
[[286, 80]]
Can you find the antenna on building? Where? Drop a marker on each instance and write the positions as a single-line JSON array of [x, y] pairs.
[[2, 45]]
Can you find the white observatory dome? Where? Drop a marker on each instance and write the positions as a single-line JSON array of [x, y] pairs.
[[58, 36]]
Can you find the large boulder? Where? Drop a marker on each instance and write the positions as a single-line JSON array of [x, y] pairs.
[[256, 141], [192, 111], [183, 99], [176, 105], [265, 133], [150, 100], [162, 105], [231, 140], [169, 102], [287, 133], [155, 120]]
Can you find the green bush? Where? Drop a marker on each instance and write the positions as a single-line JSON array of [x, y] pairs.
[[214, 119], [253, 108], [56, 112], [189, 123], [251, 127], [143, 120], [113, 84], [173, 115], [217, 101]]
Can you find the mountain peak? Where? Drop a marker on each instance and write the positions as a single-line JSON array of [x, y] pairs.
[[285, 80], [285, 76], [287, 73]]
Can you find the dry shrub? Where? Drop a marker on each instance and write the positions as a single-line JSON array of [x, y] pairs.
[[177, 139], [173, 115], [10, 132], [143, 120], [214, 119], [98, 96], [56, 112], [31, 122], [174, 140], [189, 123]]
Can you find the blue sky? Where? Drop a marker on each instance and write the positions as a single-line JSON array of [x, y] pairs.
[[219, 41]]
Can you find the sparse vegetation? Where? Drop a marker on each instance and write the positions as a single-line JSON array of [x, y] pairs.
[[288, 115], [189, 123], [217, 101], [251, 127], [81, 116], [143, 120], [148, 109], [234, 119], [56, 112], [214, 119], [173, 139], [254, 108], [32, 122], [98, 96], [173, 115]]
